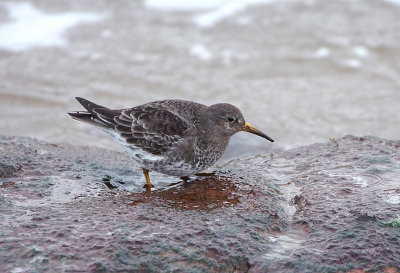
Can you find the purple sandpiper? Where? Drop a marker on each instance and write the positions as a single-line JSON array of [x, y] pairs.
[[174, 137]]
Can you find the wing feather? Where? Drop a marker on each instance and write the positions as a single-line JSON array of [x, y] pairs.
[[155, 127], [151, 128]]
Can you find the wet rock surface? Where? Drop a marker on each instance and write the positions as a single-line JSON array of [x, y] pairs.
[[347, 206], [331, 207]]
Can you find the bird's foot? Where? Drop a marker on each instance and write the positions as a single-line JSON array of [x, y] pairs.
[[185, 178], [205, 174], [148, 187]]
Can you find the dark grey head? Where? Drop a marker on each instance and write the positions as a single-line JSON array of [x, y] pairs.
[[225, 118], [228, 120]]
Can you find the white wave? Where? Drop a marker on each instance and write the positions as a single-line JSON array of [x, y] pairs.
[[353, 63], [31, 27], [322, 52], [220, 9], [209, 19], [396, 2], [201, 52], [360, 51], [184, 5]]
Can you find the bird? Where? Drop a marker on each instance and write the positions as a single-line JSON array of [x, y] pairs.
[[174, 137]]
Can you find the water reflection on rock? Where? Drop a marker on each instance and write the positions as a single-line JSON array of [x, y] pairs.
[[201, 194]]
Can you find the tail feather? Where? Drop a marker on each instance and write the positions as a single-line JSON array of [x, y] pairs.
[[106, 115], [88, 118], [96, 115]]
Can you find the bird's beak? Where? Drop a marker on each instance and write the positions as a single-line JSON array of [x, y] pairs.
[[250, 129]]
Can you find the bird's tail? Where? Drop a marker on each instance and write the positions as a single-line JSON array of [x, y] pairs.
[[96, 115]]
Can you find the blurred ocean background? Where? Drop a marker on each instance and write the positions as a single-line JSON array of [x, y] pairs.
[[302, 71]]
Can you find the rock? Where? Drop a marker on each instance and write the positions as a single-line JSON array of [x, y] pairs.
[[331, 207], [7, 170], [346, 195]]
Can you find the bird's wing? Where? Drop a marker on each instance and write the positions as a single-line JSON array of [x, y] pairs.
[[152, 128]]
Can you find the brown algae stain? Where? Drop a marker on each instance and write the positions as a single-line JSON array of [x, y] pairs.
[[7, 184], [202, 194]]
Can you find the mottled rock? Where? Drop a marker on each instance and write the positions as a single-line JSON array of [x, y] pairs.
[[347, 199], [332, 207], [7, 170]]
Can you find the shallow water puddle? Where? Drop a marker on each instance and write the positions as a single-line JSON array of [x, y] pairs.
[[359, 179], [201, 194], [54, 190], [285, 244], [283, 171]]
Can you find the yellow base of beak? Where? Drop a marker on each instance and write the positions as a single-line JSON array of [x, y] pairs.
[[250, 129]]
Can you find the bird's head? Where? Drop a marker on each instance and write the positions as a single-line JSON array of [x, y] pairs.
[[228, 120]]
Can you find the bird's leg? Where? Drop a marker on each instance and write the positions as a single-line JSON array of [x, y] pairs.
[[146, 175]]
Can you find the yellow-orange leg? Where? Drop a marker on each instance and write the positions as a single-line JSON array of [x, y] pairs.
[[146, 175]]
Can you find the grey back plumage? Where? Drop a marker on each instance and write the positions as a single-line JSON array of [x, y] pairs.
[[154, 127]]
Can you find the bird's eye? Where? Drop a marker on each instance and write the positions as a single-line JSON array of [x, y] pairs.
[[230, 119]]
